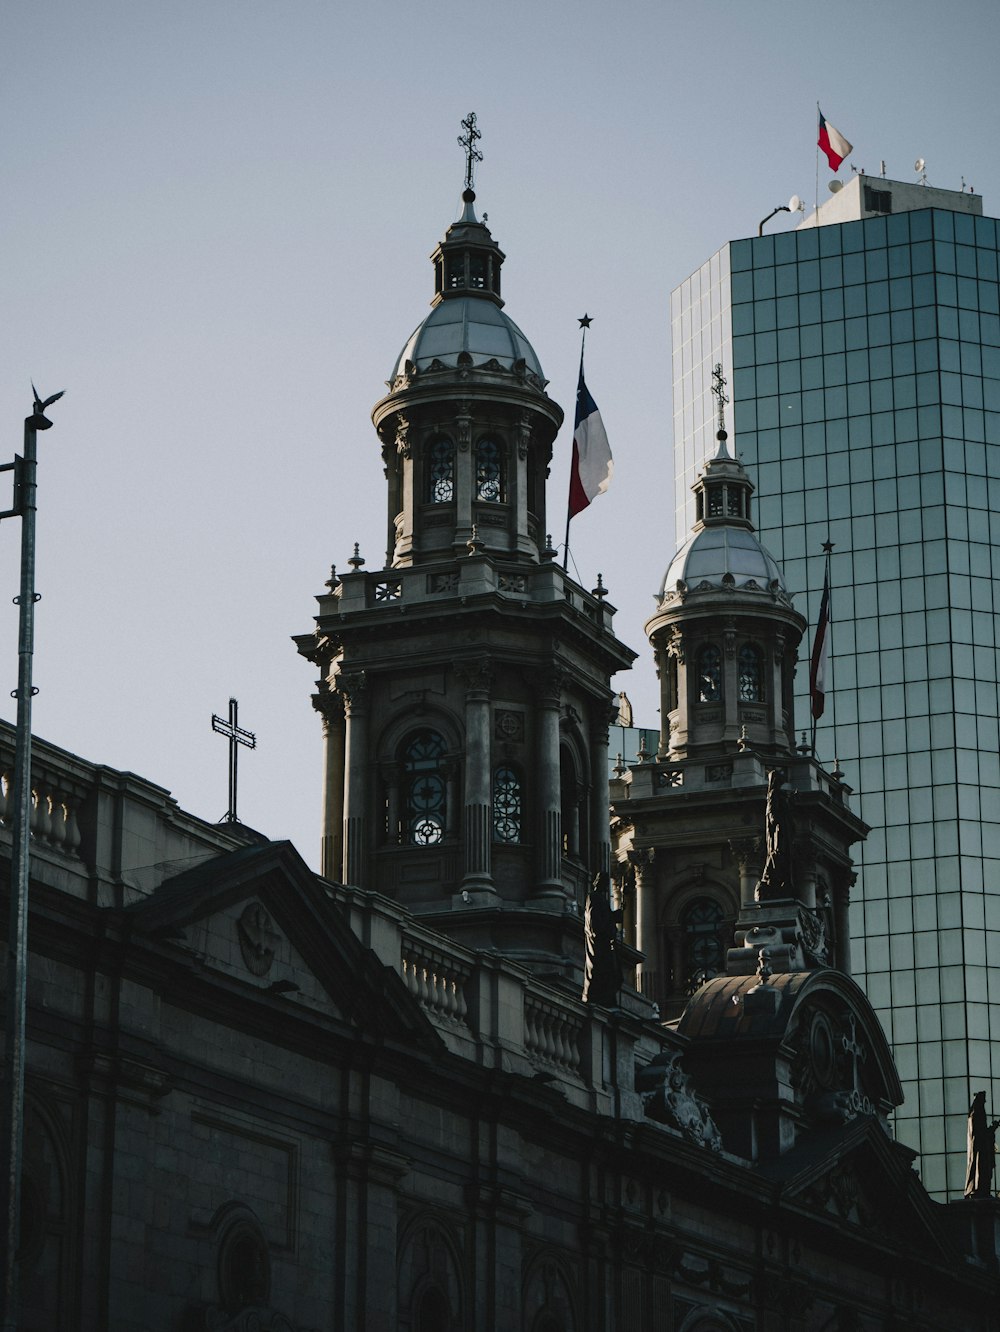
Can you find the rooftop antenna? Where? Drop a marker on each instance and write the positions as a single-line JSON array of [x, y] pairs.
[[919, 167], [882, 170]]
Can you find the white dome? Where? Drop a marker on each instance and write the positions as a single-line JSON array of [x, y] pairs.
[[720, 553], [467, 324]]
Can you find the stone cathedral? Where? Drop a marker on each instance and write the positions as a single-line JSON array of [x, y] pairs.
[[374, 1099]]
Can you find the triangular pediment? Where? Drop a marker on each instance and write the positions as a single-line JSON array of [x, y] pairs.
[[259, 918], [861, 1179]]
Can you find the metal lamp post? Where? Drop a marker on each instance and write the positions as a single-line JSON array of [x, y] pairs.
[[17, 937]]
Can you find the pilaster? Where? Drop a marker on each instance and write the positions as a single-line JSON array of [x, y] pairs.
[[353, 688], [550, 883], [478, 679]]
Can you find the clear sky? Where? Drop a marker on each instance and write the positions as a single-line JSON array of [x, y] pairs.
[[215, 219]]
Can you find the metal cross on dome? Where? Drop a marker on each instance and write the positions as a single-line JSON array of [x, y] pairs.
[[468, 142], [719, 389], [236, 736]]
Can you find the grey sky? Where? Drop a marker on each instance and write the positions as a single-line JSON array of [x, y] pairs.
[[215, 226]]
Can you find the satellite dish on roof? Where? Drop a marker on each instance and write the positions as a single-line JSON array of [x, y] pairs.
[[919, 164], [795, 205], [835, 186]]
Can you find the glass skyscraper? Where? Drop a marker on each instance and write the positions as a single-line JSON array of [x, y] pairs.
[[863, 359]]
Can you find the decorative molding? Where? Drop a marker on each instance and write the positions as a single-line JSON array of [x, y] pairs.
[[508, 724], [257, 937], [668, 1096]]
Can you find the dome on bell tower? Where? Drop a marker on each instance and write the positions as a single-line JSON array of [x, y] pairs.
[[723, 549], [466, 325]]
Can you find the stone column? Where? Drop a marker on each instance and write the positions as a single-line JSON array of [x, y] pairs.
[[352, 686], [465, 465], [330, 706], [670, 657], [477, 678], [523, 543], [599, 850], [774, 703], [842, 922], [408, 536], [399, 473], [647, 934], [549, 824], [730, 684], [747, 852]]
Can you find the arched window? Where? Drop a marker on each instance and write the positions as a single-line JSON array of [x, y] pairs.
[[702, 942], [506, 805], [441, 472], [432, 1312], [709, 674], [751, 674], [424, 789], [489, 471]]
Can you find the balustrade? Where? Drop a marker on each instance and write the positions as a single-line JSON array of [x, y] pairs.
[[435, 981], [53, 812]]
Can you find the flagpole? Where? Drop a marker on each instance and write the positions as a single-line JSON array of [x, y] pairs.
[[584, 325], [816, 200]]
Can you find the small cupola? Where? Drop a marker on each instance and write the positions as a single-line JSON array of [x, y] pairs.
[[468, 261], [722, 493]]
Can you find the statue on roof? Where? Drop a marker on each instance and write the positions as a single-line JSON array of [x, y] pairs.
[[776, 879], [603, 973], [981, 1149]]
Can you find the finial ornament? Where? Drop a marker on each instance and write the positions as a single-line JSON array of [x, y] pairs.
[[468, 142], [719, 389]]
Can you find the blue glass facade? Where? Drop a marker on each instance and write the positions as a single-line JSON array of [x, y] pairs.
[[863, 360]]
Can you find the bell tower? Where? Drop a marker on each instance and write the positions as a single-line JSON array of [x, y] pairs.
[[464, 686], [690, 822]]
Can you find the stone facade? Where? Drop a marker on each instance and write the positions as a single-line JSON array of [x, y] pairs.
[[256, 1095]]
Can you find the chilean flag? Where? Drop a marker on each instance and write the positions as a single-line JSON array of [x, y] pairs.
[[592, 462], [833, 143], [817, 667]]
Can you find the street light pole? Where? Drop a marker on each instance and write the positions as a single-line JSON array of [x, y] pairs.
[[17, 937]]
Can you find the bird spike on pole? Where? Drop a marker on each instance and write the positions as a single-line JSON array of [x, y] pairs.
[[17, 936], [472, 153]]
